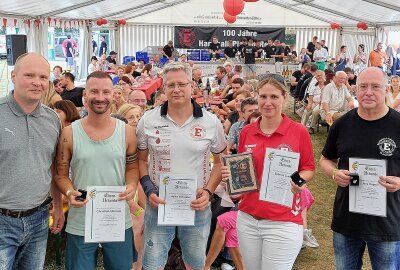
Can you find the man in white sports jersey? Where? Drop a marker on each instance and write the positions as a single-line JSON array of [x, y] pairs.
[[179, 137], [101, 151]]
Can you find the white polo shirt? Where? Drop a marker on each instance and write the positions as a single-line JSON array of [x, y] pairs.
[[180, 149]]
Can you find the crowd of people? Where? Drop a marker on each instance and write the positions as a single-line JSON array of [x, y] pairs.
[[63, 138]]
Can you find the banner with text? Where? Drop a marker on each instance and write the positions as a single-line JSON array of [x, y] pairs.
[[200, 37]]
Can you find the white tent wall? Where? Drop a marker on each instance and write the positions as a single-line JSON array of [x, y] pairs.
[[85, 51], [135, 37]]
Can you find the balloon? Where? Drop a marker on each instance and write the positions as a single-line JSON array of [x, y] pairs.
[[229, 18], [104, 21], [233, 7], [99, 22]]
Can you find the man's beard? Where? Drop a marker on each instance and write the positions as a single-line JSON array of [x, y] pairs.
[[99, 111]]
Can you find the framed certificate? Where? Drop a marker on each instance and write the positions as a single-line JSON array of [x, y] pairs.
[[243, 173]]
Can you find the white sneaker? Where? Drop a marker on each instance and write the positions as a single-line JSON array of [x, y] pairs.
[[309, 239], [226, 266]]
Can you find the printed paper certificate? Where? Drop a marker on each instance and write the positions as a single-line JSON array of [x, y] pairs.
[[369, 197], [105, 215], [279, 165], [178, 191]]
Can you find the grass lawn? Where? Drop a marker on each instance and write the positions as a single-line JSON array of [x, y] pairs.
[[319, 218]]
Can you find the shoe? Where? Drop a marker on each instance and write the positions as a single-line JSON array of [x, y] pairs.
[[303, 245], [309, 239], [311, 130], [226, 266]]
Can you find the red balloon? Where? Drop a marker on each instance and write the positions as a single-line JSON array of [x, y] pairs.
[[99, 22], [123, 22], [104, 21], [233, 7], [229, 18], [335, 26]]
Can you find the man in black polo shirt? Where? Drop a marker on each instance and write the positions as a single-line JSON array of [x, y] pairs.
[[230, 51], [71, 92], [370, 131], [168, 50], [214, 48]]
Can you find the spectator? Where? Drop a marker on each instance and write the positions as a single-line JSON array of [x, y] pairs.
[[360, 59], [69, 52], [341, 59], [138, 97], [351, 79], [135, 72], [156, 61], [269, 49], [94, 46], [128, 72], [377, 58], [58, 86], [215, 48], [230, 51], [304, 57], [103, 46], [183, 58], [393, 97], [56, 74], [234, 105], [125, 84], [66, 111], [238, 70], [220, 74], [168, 50], [71, 92], [243, 43], [51, 96], [118, 99], [250, 54], [111, 58], [247, 107], [320, 56], [296, 76], [228, 67], [120, 74], [236, 86], [322, 41], [311, 47], [93, 66], [334, 97], [279, 52]]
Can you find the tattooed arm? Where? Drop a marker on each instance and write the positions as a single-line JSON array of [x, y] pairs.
[[63, 159]]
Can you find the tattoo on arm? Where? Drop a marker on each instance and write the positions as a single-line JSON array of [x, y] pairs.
[[131, 158]]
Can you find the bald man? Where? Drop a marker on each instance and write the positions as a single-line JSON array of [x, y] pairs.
[[370, 132], [138, 97], [29, 133]]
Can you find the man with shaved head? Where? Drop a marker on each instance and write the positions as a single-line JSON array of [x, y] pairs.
[[369, 132], [138, 97], [29, 133]]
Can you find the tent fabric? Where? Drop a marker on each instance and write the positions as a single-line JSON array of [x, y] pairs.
[[85, 51], [346, 13]]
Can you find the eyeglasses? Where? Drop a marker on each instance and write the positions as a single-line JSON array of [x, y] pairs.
[[171, 86], [374, 87]]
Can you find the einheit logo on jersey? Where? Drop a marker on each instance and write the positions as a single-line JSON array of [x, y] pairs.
[[386, 146], [198, 132]]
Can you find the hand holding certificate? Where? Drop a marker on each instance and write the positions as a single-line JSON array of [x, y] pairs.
[[367, 196], [105, 215], [178, 191], [279, 165]]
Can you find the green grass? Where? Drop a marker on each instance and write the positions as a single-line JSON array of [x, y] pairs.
[[319, 217]]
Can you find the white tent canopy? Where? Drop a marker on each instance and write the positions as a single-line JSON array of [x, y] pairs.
[[151, 22]]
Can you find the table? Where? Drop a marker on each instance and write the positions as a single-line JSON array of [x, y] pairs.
[[149, 87], [213, 101]]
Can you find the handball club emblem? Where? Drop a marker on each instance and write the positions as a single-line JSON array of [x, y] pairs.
[[187, 37]]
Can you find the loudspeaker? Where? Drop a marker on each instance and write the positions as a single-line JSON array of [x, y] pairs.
[[16, 45]]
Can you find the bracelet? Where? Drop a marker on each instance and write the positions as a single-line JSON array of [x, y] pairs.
[[138, 212], [67, 193], [334, 174], [209, 193], [328, 113]]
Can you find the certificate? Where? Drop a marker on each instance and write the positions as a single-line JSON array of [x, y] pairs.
[[369, 197], [243, 175], [105, 215], [178, 191], [279, 165]]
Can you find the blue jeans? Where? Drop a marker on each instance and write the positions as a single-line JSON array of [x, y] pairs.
[[349, 253], [158, 239], [23, 241], [116, 255]]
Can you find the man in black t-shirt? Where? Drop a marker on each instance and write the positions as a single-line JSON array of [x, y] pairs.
[[71, 92], [112, 58], [230, 51], [351, 79], [94, 46], [215, 48], [311, 47], [259, 49], [168, 50], [243, 44], [296, 76], [372, 219], [103, 46], [250, 54], [279, 51], [269, 49], [297, 92]]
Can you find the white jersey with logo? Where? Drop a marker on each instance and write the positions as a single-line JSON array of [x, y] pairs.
[[180, 149]]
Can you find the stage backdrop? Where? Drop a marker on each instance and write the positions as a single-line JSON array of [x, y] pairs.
[[200, 37]]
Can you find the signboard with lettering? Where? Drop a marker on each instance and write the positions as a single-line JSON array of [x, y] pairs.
[[200, 37]]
